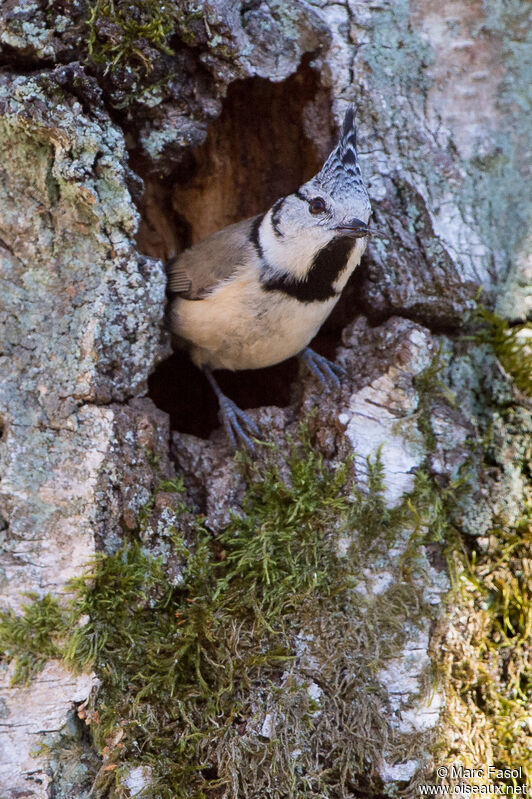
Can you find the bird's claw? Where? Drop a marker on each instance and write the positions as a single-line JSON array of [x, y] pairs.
[[237, 424], [326, 371]]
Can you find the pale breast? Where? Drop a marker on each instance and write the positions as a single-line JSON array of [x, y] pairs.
[[239, 326]]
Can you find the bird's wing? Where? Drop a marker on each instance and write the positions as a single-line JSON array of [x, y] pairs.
[[198, 270]]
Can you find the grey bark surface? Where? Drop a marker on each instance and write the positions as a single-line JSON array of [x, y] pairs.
[[442, 96]]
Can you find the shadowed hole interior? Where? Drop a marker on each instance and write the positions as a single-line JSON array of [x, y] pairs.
[[269, 139]]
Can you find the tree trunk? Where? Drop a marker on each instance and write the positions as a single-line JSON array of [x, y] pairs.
[[128, 132]]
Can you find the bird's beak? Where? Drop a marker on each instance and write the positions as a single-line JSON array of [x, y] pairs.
[[355, 228]]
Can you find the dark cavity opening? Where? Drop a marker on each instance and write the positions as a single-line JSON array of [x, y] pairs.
[[269, 139]]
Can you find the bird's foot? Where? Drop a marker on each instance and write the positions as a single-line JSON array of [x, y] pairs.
[[240, 428], [327, 372]]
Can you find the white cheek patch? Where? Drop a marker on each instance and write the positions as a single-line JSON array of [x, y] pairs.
[[292, 254]]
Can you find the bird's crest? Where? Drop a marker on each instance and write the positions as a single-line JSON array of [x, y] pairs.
[[341, 171]]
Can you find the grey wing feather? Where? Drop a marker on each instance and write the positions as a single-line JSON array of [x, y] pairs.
[[178, 280], [198, 270]]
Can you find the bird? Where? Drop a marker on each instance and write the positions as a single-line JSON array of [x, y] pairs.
[[256, 292]]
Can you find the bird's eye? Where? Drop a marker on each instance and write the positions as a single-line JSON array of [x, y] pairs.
[[317, 205]]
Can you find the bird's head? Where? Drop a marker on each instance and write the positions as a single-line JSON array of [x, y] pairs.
[[333, 204]]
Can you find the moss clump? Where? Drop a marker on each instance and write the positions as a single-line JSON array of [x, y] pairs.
[[511, 345], [278, 550], [134, 35], [489, 677], [486, 664], [177, 664], [128, 34], [33, 637], [256, 675]]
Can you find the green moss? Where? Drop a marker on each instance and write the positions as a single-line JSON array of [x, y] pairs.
[[511, 345], [128, 34], [488, 669], [278, 549], [486, 665], [202, 645], [210, 685], [31, 638], [134, 35], [483, 649]]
